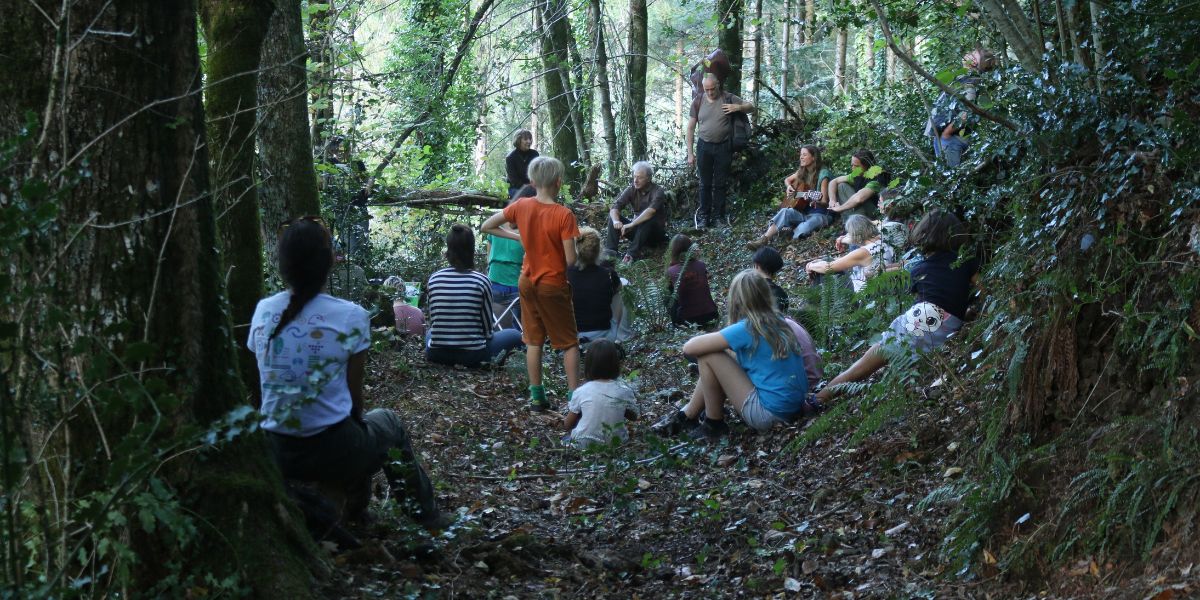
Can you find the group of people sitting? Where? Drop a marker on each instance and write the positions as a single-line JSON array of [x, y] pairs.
[[311, 347]]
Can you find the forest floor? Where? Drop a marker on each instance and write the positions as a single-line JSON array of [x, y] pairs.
[[757, 515]]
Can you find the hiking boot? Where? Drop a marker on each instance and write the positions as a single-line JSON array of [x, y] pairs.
[[756, 244], [674, 423], [710, 430]]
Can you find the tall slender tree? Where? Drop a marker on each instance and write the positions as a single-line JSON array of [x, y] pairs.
[[235, 31], [603, 90], [556, 80], [287, 181], [729, 38], [635, 97]]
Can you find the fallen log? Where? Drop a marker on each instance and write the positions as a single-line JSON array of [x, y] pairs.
[[434, 198]]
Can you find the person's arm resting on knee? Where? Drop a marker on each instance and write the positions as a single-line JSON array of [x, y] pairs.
[[705, 344]]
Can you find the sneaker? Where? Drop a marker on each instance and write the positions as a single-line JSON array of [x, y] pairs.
[[538, 406], [700, 219], [710, 430], [674, 423]]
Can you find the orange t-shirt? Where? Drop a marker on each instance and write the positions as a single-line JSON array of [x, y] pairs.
[[543, 228]]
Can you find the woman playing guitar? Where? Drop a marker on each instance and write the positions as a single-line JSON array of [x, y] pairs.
[[805, 207]]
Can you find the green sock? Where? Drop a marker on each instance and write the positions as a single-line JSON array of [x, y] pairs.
[[537, 393]]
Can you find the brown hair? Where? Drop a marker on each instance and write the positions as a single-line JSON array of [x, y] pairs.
[[460, 247], [587, 247], [809, 175], [520, 135], [939, 231], [602, 360], [679, 245]]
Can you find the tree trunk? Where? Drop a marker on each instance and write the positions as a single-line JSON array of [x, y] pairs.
[[810, 21], [555, 30], [133, 273], [785, 61], [288, 182], [1016, 29], [839, 65], [758, 55], [596, 14], [1097, 43], [636, 79], [682, 64], [321, 31], [729, 39], [235, 33]]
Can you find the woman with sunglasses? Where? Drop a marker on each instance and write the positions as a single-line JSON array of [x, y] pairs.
[[312, 353]]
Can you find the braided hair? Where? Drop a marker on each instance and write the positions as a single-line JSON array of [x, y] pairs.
[[305, 258]]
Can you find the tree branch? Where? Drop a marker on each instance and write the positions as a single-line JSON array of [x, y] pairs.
[[451, 73], [781, 99], [912, 64]]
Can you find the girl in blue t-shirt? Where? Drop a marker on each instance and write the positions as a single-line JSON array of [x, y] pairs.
[[763, 379], [942, 284]]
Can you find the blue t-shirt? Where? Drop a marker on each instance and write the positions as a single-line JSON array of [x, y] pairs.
[[781, 383]]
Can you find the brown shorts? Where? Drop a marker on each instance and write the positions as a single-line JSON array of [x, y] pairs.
[[547, 310]]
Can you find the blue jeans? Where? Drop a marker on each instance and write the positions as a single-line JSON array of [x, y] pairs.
[[804, 224], [505, 339], [950, 150], [712, 162]]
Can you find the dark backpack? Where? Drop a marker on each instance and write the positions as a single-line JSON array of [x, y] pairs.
[[741, 128]]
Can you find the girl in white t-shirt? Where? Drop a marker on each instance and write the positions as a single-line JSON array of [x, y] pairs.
[[599, 408]]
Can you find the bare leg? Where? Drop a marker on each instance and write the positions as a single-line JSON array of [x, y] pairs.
[[696, 404], [772, 230], [722, 377], [862, 368], [571, 366], [533, 363]]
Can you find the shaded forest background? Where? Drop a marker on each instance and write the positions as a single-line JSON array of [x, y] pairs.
[[149, 150]]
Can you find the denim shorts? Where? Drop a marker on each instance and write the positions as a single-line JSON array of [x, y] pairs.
[[756, 416]]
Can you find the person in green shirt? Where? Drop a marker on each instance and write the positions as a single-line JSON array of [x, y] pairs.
[[858, 192], [504, 258], [811, 177]]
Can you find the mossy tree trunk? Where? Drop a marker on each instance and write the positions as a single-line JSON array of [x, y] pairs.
[[135, 279], [235, 30], [288, 181], [555, 31]]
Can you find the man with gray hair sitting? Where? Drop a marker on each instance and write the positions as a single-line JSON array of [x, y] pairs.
[[649, 223]]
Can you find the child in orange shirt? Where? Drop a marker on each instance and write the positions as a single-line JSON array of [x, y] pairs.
[[547, 230]]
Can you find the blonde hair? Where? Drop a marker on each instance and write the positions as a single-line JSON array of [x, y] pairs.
[[587, 247], [860, 229], [545, 172], [750, 300]]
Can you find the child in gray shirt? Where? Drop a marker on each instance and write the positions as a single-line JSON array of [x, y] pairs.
[[598, 409]]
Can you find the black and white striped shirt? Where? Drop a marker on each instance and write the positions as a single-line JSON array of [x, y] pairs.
[[460, 309]]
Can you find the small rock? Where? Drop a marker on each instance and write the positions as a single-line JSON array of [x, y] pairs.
[[482, 566], [725, 460], [497, 445], [952, 472], [807, 567], [643, 484], [953, 447], [791, 585], [878, 553]]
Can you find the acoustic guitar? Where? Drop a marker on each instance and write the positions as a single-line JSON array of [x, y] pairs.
[[800, 200]]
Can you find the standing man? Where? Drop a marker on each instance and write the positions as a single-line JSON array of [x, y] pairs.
[[649, 223], [950, 121], [714, 150]]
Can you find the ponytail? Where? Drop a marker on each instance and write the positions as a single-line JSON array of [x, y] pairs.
[[305, 258]]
